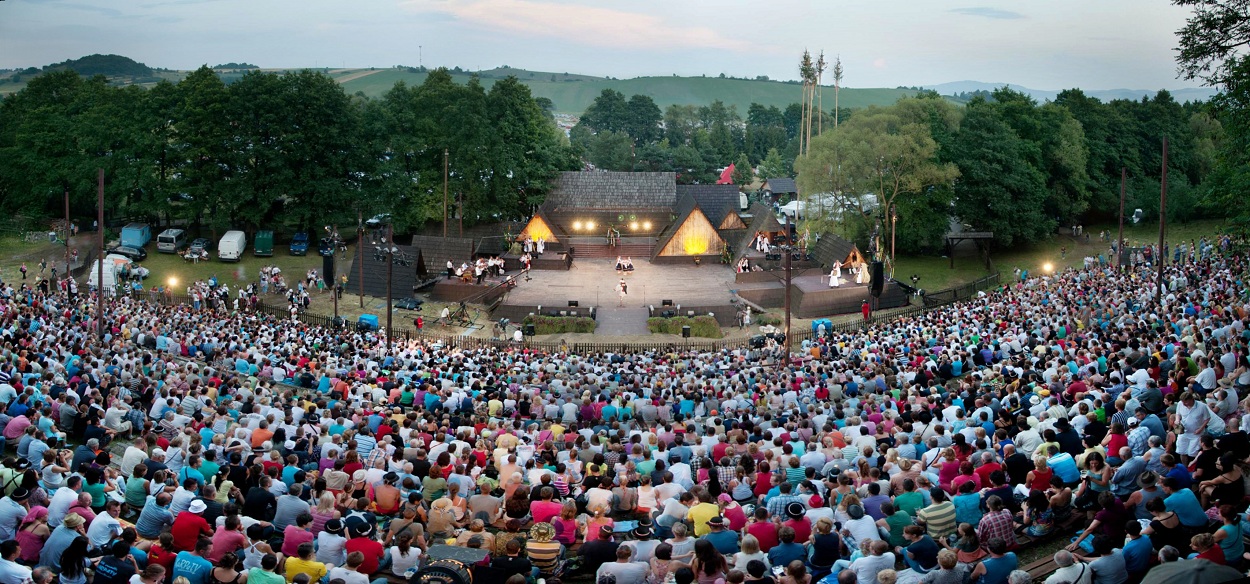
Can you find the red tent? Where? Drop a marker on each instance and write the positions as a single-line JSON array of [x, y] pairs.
[[726, 177]]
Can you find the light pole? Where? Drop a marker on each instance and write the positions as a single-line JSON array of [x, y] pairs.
[[893, 229], [387, 254]]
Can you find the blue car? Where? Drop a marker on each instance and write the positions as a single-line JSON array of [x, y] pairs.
[[299, 243]]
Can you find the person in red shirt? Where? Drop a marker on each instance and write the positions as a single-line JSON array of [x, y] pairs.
[[988, 466], [189, 526], [372, 550], [163, 554], [797, 521], [765, 531]]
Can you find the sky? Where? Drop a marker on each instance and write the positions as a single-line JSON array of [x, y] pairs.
[[1041, 44]]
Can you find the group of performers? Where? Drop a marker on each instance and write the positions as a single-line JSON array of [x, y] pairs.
[[477, 271], [534, 246], [859, 269], [624, 265]]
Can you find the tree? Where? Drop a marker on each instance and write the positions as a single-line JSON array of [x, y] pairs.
[[869, 164], [998, 190], [773, 166], [743, 174], [609, 112], [644, 120]]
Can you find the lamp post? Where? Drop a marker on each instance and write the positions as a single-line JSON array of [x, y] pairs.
[[387, 254], [893, 229]]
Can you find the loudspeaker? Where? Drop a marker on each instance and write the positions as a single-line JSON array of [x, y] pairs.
[[685, 331], [529, 329], [878, 279], [327, 269], [666, 303], [758, 341], [572, 304]]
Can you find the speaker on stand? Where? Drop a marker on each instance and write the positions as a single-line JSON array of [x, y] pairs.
[[877, 281], [327, 269]]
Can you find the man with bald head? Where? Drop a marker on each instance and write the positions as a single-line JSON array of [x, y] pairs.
[[1071, 570]]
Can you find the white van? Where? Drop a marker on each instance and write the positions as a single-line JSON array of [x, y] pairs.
[[231, 246], [171, 240], [113, 265]]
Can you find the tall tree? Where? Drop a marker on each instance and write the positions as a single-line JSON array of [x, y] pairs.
[[644, 120]]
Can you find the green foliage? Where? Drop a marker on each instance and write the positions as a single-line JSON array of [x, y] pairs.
[[703, 326], [555, 325], [107, 65], [743, 174], [773, 166], [277, 150]]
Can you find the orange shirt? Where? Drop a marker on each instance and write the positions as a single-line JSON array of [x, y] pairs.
[[260, 435]]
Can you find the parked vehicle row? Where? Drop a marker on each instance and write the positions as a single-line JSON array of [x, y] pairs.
[[230, 247]]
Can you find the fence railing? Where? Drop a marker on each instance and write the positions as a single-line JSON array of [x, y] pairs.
[[796, 338]]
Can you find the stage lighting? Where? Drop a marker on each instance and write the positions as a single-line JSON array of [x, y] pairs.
[[646, 225], [1048, 267], [577, 225], [590, 225], [633, 225]]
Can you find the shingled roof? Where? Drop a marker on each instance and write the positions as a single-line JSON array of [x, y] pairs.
[[780, 185], [715, 201], [437, 250], [832, 248], [762, 219], [624, 191], [686, 207]]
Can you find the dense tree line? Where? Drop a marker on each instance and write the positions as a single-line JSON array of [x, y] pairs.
[[269, 150], [1011, 165]]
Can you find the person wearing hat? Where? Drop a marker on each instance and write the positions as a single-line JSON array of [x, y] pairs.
[[190, 526], [13, 509], [726, 541], [361, 542], [643, 546], [796, 519], [72, 527], [331, 545], [600, 550], [542, 549]]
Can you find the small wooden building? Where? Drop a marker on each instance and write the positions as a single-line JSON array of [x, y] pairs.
[[692, 234]]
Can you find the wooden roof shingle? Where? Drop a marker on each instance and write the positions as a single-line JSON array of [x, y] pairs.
[[437, 250], [625, 191], [832, 248], [762, 220], [780, 185], [715, 201]]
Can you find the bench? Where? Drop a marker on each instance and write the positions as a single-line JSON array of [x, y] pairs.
[[1046, 566]]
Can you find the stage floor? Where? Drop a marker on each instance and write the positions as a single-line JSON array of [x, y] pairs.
[[592, 282]]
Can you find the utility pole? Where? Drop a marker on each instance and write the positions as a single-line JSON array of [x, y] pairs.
[[788, 249], [1163, 219], [67, 233], [99, 288], [460, 209], [893, 229], [360, 244], [390, 272], [444, 193], [1119, 247]]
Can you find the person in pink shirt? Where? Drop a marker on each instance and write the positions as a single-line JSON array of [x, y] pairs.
[[545, 509]]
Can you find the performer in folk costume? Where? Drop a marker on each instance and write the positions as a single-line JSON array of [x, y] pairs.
[[835, 275], [622, 290], [861, 273], [540, 244]]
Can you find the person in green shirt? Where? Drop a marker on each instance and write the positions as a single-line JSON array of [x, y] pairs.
[[265, 573], [894, 522], [910, 500]]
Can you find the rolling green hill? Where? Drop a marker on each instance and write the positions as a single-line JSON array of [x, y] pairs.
[[571, 93], [578, 91]]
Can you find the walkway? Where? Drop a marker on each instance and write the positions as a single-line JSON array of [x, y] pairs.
[[614, 321]]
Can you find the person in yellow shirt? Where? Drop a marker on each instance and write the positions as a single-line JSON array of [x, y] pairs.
[[701, 513], [305, 564]]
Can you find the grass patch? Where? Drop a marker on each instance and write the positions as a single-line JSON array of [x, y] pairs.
[[704, 326], [554, 325]]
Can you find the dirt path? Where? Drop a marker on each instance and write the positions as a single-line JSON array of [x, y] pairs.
[[355, 76]]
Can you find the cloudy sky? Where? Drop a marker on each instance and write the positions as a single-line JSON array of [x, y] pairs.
[[1043, 44]]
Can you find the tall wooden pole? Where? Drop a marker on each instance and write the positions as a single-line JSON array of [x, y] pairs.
[[67, 233], [1163, 218], [1119, 247], [788, 250], [99, 297], [390, 272], [444, 193], [360, 243]]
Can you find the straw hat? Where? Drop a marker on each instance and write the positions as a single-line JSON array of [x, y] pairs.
[[541, 532], [73, 521]]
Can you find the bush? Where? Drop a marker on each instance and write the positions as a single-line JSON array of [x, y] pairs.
[[700, 326], [554, 325], [763, 319]]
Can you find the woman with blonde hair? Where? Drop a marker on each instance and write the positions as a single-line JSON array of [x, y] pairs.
[[323, 512], [750, 550]]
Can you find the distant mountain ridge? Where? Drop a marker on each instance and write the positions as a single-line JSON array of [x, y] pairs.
[[1181, 95]]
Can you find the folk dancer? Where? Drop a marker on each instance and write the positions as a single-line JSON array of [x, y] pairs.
[[861, 273], [622, 290], [540, 245], [835, 275]]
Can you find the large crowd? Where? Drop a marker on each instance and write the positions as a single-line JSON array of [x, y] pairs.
[[209, 445]]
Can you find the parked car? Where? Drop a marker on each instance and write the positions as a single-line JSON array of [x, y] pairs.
[[134, 253], [409, 303], [299, 243], [326, 246], [263, 244], [203, 243]]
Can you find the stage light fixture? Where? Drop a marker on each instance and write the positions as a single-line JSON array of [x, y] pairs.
[[590, 226], [633, 225], [646, 225], [577, 225]]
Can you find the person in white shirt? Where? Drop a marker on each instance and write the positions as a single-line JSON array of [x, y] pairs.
[[12, 572], [105, 526]]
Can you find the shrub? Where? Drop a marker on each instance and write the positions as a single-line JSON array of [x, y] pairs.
[[554, 325], [767, 319], [700, 326]]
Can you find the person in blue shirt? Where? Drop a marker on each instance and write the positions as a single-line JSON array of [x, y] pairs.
[[1172, 469], [1137, 550], [1184, 503], [995, 568], [193, 565]]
